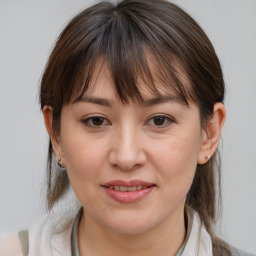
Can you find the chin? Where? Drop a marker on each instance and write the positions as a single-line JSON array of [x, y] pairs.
[[129, 228], [132, 225]]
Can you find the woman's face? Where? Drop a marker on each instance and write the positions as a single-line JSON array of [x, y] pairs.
[[132, 165]]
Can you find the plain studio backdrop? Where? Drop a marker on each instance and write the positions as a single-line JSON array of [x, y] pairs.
[[28, 30]]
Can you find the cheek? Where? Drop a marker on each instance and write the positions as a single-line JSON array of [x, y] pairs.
[[84, 159], [84, 165], [176, 162], [178, 155]]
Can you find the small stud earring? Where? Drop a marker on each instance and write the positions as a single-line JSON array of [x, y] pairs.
[[60, 165], [207, 158]]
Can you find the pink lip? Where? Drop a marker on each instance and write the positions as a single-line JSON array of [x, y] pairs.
[[131, 183], [128, 196]]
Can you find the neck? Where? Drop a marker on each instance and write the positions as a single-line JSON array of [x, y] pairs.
[[164, 239]]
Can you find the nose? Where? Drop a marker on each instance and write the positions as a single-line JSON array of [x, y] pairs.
[[127, 152]]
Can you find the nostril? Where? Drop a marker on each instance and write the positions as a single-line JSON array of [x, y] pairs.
[[127, 160]]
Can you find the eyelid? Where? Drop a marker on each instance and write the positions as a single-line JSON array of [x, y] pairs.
[[169, 119], [87, 119]]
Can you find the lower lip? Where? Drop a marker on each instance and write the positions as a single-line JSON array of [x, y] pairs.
[[129, 196]]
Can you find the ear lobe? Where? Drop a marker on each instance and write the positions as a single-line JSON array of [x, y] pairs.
[[48, 116], [212, 133]]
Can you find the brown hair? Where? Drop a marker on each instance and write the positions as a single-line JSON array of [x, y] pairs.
[[128, 36]]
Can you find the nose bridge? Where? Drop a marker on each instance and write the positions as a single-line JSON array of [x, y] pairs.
[[127, 149], [128, 144]]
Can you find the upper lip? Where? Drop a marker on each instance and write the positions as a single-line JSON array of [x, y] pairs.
[[131, 183]]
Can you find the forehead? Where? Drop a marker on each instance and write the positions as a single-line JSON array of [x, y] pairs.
[[102, 85]]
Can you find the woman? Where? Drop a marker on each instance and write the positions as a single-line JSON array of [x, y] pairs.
[[132, 98]]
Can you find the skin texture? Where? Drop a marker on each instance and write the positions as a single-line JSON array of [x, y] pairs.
[[127, 143]]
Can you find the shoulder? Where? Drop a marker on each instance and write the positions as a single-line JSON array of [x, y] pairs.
[[47, 237], [238, 252], [10, 245], [52, 235], [198, 235]]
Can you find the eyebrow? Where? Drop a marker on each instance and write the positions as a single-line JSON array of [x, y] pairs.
[[95, 100], [161, 99], [146, 103]]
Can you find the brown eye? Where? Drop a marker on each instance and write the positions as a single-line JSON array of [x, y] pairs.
[[159, 120], [95, 121]]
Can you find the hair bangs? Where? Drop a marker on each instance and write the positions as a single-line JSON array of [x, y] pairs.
[[135, 62]]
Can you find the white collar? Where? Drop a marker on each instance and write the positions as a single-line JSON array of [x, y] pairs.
[[199, 242]]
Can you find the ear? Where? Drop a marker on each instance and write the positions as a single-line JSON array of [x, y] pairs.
[[55, 139], [211, 133]]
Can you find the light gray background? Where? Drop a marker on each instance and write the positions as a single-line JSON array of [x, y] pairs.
[[28, 30]]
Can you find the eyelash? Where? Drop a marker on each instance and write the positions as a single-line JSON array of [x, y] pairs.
[[103, 121], [88, 121], [167, 120]]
